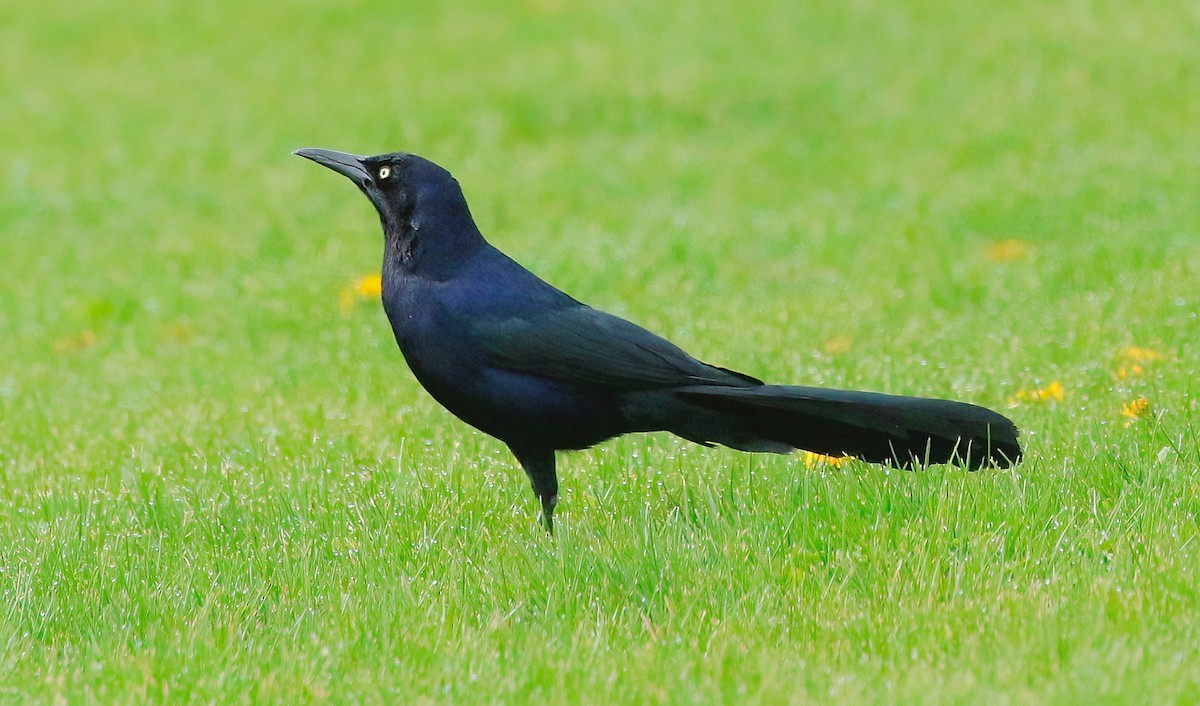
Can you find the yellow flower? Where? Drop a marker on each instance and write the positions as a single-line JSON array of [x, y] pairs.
[[1052, 392], [68, 344], [365, 287], [1009, 250], [1137, 354], [837, 344], [369, 285], [1135, 410], [177, 332], [811, 459], [1131, 361]]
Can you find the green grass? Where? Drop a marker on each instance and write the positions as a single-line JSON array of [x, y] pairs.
[[217, 486]]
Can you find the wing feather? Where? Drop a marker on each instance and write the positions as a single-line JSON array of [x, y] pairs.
[[583, 345]]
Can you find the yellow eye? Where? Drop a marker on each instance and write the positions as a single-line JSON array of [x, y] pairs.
[[385, 172]]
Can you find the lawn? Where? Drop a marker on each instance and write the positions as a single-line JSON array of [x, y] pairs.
[[219, 483]]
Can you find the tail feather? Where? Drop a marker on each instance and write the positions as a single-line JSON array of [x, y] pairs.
[[889, 429]]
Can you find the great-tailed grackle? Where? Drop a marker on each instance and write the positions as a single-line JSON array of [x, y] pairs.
[[518, 359]]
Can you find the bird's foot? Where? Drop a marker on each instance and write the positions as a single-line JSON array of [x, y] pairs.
[[548, 503]]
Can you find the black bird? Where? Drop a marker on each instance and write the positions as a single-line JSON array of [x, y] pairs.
[[518, 359]]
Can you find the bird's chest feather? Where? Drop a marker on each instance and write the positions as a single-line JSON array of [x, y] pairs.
[[436, 330], [434, 324], [430, 331]]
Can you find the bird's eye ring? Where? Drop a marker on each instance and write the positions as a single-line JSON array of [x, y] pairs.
[[385, 172]]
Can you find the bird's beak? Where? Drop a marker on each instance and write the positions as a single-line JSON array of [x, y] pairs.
[[344, 163]]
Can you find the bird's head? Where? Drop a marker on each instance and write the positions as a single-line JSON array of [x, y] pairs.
[[420, 205], [396, 183]]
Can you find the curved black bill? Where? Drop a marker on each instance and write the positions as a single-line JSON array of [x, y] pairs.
[[344, 163]]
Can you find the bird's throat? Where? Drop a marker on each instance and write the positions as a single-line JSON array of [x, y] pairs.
[[400, 247]]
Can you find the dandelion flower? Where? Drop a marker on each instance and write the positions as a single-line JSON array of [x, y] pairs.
[[1137, 354], [1009, 250], [365, 287], [1135, 410], [837, 344], [85, 339], [811, 459], [369, 286], [1131, 360], [1052, 392]]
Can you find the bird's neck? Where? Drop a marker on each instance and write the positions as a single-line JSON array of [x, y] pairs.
[[432, 243]]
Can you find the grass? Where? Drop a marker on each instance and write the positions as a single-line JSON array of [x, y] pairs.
[[219, 486]]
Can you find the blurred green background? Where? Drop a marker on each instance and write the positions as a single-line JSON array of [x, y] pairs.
[[930, 198]]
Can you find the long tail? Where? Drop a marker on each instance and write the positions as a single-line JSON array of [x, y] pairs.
[[898, 431]]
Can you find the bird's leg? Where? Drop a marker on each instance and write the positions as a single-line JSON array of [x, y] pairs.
[[539, 466], [548, 503]]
